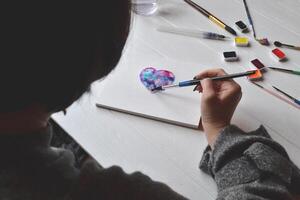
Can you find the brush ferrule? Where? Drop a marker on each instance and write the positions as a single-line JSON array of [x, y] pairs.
[[169, 86]]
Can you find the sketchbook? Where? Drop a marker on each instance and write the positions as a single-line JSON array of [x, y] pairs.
[[123, 91]]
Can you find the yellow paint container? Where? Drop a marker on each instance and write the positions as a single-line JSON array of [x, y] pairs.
[[241, 41]]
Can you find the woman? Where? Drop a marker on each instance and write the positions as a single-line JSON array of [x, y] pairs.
[[52, 52]]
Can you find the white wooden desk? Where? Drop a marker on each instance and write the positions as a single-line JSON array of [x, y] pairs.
[[170, 153]]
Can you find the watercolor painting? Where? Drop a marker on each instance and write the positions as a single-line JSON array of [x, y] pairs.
[[152, 78]]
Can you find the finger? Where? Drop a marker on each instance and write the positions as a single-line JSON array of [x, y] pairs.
[[198, 87], [210, 73], [226, 84], [195, 88], [208, 89], [231, 93]]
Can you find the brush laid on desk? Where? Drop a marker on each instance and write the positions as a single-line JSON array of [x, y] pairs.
[[196, 82], [285, 70], [192, 33], [279, 44], [211, 17], [263, 41], [296, 101], [249, 18], [273, 93]]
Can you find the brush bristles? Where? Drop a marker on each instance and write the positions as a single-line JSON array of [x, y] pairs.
[[277, 44], [157, 89]]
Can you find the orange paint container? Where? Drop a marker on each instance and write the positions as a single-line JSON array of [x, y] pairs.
[[257, 76]]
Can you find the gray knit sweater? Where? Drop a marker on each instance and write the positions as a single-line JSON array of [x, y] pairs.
[[250, 166], [244, 166]]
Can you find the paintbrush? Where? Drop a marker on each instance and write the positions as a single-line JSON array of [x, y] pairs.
[[286, 70], [211, 17], [191, 33], [249, 18], [279, 44], [273, 93], [196, 82], [263, 41], [287, 95]]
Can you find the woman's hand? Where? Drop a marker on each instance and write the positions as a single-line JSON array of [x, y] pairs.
[[218, 103]]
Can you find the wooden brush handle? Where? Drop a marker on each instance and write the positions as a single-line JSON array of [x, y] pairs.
[[297, 48]]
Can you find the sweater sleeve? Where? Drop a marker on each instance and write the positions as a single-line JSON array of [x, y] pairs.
[[250, 166]]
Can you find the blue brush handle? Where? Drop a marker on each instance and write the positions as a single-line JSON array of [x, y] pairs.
[[248, 13], [188, 83], [249, 18], [297, 101]]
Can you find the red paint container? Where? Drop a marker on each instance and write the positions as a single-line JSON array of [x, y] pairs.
[[278, 54]]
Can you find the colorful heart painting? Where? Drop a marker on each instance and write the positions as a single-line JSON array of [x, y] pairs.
[[152, 78]]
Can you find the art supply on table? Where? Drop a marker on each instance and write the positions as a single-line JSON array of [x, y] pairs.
[[258, 64], [257, 76], [242, 26], [196, 82], [211, 17], [279, 44], [230, 56], [263, 41], [192, 33], [286, 70], [241, 41], [152, 78], [278, 54], [273, 93], [249, 18], [296, 101]]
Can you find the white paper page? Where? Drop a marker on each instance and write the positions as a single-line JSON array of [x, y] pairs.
[[124, 91]]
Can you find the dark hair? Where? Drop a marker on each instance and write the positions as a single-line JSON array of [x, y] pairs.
[[52, 52]]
